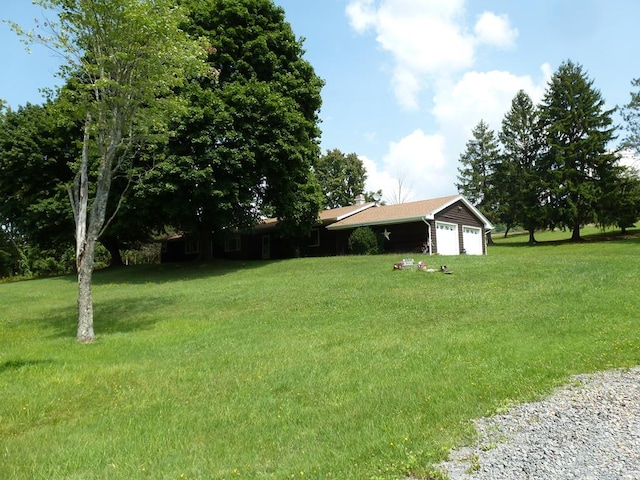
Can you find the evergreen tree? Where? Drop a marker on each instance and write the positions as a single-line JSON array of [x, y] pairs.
[[478, 166], [517, 177], [579, 169], [631, 115]]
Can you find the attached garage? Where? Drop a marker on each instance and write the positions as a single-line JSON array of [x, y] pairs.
[[443, 226], [472, 240], [447, 238]]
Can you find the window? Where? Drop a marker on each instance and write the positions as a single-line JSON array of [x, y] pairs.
[[314, 238], [191, 246], [232, 244]]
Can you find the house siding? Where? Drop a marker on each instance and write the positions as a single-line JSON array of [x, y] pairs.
[[403, 237], [405, 224], [459, 214]]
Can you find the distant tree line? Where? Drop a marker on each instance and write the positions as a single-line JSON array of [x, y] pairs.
[[552, 165]]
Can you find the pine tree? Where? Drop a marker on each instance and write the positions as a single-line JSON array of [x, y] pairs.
[[518, 178], [578, 168], [478, 164]]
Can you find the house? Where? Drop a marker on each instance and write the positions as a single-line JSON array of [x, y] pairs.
[[446, 226]]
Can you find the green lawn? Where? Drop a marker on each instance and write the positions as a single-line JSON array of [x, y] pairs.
[[306, 368]]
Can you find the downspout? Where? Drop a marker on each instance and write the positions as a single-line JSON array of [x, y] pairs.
[[428, 234]]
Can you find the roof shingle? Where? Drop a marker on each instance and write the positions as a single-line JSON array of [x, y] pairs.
[[398, 213]]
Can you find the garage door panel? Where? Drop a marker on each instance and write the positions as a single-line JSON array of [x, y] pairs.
[[472, 240], [447, 239]]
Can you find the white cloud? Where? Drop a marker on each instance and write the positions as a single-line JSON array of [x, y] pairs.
[[361, 14], [481, 95], [492, 29], [414, 168], [429, 40], [427, 164], [425, 38], [434, 47]]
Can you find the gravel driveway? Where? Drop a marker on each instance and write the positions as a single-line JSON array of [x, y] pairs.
[[588, 430]]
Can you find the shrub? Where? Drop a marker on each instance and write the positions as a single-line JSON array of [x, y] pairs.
[[363, 241]]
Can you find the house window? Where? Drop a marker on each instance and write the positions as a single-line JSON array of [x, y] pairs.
[[232, 244], [191, 246], [314, 240]]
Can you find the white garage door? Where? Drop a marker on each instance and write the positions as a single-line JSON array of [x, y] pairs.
[[447, 238], [472, 240]]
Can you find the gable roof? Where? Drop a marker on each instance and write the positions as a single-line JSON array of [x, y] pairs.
[[325, 216], [338, 214], [405, 212]]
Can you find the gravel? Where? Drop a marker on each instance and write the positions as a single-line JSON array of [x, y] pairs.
[[587, 430]]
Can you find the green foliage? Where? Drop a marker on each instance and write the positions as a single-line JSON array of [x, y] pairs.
[[578, 168], [354, 371], [8, 255], [631, 115], [478, 166], [36, 146], [516, 182], [556, 169], [246, 145], [363, 241], [342, 177]]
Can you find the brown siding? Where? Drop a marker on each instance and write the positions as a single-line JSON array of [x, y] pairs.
[[459, 214], [403, 237]]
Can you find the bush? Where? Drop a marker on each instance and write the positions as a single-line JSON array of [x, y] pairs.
[[363, 241]]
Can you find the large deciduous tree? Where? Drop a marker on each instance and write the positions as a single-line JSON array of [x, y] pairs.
[[245, 149], [342, 177], [579, 167], [127, 56], [36, 146]]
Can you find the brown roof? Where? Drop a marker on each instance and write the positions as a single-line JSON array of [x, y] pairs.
[[370, 214], [325, 216], [398, 213], [337, 214]]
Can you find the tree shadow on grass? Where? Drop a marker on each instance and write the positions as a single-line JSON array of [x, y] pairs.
[[170, 272], [18, 364], [110, 317]]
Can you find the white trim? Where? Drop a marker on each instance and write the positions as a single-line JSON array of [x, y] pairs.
[[487, 224], [475, 231], [358, 210], [455, 228], [392, 221]]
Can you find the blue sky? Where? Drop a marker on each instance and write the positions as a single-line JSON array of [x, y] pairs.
[[407, 80]]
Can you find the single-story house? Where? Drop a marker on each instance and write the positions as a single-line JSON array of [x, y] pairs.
[[446, 226]]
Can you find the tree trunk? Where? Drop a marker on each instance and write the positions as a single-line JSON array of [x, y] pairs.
[[85, 298], [532, 236], [489, 238], [85, 243], [113, 247], [575, 235]]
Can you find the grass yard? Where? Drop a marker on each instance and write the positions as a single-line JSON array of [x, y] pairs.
[[306, 368]]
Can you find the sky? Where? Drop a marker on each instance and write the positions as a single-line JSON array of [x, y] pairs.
[[407, 80]]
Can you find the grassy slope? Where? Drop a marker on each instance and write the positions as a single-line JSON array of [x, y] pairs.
[[305, 368]]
